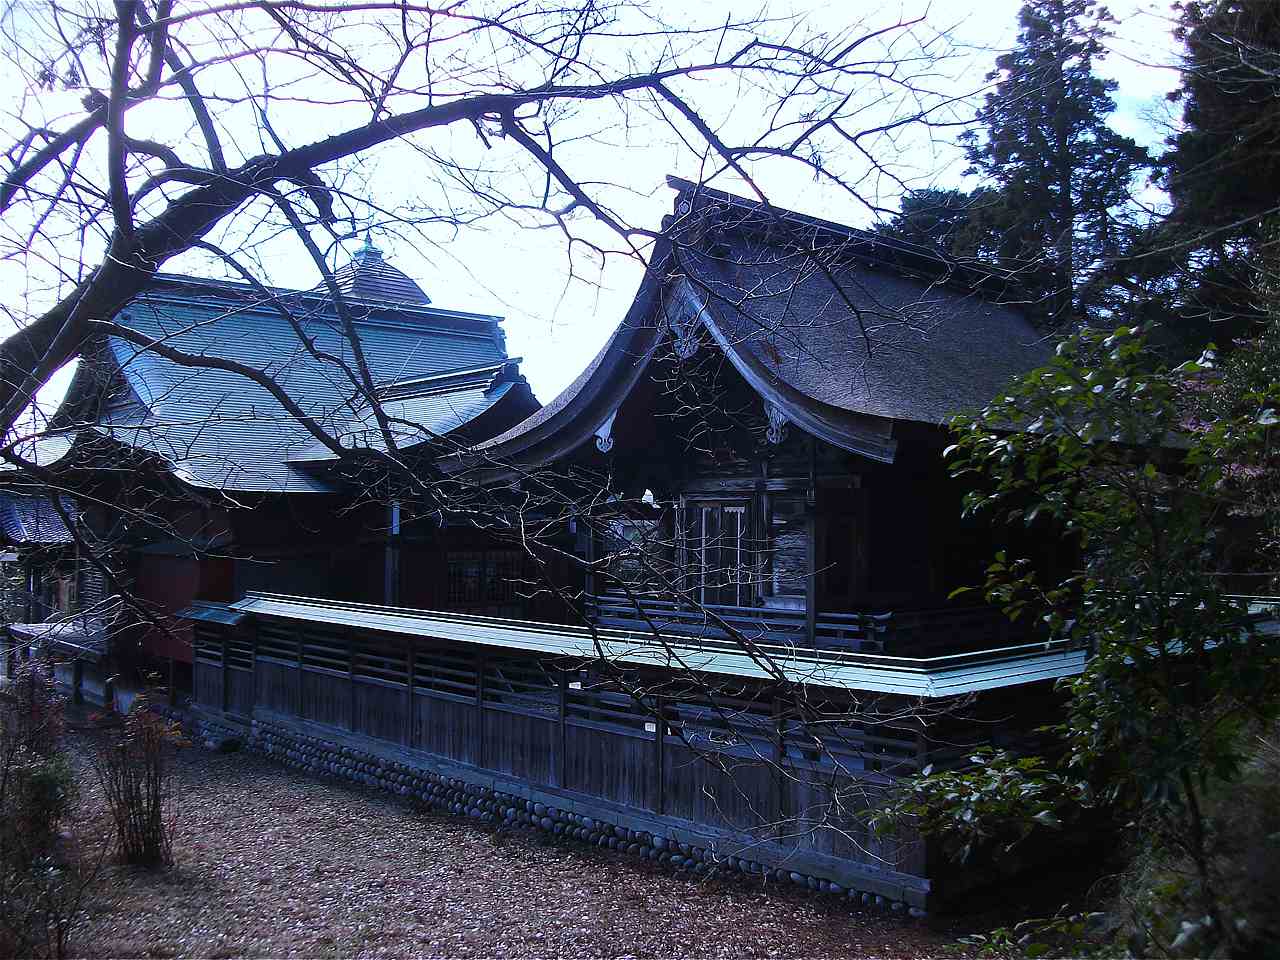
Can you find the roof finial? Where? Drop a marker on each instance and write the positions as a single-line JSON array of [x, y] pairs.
[[368, 251]]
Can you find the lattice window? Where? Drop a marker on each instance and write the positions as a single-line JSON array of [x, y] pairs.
[[208, 643], [503, 571], [833, 745], [720, 552], [728, 725], [605, 702], [239, 652], [466, 577], [487, 577]]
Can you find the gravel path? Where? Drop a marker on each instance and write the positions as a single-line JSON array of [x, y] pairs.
[[271, 863]]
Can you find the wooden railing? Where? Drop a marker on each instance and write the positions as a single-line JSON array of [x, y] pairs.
[[901, 633]]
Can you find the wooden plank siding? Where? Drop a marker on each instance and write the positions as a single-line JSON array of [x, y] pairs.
[[738, 766]]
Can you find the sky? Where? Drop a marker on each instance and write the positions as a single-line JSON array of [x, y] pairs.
[[557, 323]]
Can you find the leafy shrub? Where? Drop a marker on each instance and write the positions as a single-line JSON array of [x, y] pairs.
[[36, 788], [135, 768], [41, 884], [985, 809], [1066, 937], [1162, 903]]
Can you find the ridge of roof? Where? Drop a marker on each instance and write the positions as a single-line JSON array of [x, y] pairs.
[[912, 259], [164, 288]]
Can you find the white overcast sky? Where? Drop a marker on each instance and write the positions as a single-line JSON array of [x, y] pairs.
[[557, 325]]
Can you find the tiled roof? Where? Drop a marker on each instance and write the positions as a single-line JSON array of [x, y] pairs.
[[219, 429], [33, 520], [862, 337], [422, 409], [369, 277]]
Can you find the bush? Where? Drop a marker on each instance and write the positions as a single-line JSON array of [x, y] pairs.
[[1160, 902], [135, 769], [36, 787], [41, 884]]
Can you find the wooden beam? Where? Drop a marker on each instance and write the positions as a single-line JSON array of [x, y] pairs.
[[351, 679], [480, 737], [410, 657], [659, 755], [811, 550], [563, 728]]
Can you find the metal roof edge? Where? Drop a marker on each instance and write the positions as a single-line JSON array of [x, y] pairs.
[[675, 652], [251, 301]]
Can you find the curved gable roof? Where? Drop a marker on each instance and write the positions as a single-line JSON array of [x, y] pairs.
[[842, 331]]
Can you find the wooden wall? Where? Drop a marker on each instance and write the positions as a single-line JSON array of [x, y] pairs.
[[738, 764]]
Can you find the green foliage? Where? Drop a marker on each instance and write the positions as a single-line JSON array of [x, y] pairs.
[[966, 226], [1222, 167], [1115, 448], [1203, 264], [988, 808], [1065, 937], [36, 785], [39, 794]]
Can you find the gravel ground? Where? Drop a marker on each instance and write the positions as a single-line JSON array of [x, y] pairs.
[[271, 863]]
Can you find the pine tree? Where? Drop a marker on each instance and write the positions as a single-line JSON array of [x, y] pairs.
[[1063, 173]]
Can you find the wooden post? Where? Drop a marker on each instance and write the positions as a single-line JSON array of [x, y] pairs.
[[659, 756], [779, 758], [564, 713], [409, 725], [590, 579], [351, 680], [300, 707], [226, 671], [811, 549], [480, 751], [391, 557], [248, 629]]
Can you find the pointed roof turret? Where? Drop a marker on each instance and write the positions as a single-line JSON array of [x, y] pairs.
[[369, 277]]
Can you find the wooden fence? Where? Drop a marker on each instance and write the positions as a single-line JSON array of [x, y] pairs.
[[736, 759]]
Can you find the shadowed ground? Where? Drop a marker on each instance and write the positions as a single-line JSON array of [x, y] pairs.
[[270, 863]]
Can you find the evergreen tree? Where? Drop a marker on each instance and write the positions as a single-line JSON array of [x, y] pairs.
[[1221, 171], [964, 226], [1064, 175]]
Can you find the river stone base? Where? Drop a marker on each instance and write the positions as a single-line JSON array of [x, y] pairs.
[[444, 794]]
